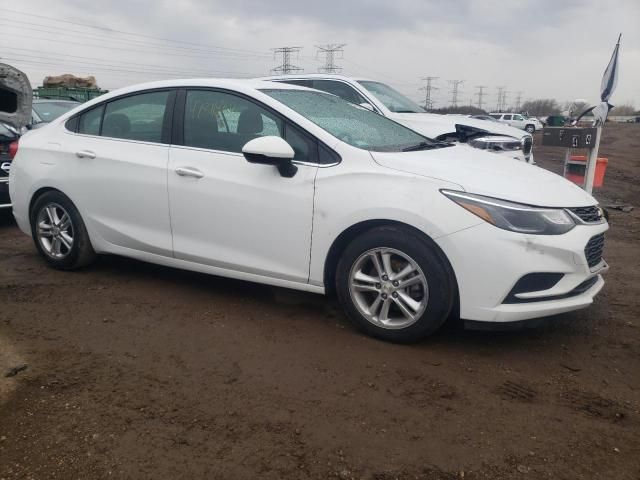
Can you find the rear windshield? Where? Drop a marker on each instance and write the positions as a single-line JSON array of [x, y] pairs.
[[48, 111]]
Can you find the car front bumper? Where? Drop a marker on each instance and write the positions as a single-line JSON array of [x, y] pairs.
[[5, 200], [488, 263]]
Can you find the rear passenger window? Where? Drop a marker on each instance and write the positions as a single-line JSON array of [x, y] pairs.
[[507, 117], [89, 122], [137, 117]]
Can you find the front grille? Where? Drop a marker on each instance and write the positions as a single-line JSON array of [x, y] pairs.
[[593, 250], [527, 144], [588, 214]]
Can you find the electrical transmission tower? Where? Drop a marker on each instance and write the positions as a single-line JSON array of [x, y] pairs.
[[428, 89], [502, 99], [518, 101], [330, 52], [480, 94], [286, 53], [455, 91]]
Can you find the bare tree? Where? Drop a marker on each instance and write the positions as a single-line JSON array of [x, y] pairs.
[[624, 110], [541, 107]]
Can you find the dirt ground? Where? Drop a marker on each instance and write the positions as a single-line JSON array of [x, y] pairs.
[[137, 371]]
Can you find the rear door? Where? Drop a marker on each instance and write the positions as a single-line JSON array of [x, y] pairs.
[[117, 169], [227, 212]]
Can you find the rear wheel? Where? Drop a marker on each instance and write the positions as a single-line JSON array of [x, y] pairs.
[[530, 128], [395, 285], [59, 232]]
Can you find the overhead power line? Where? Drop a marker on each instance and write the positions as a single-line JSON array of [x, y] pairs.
[[286, 67], [87, 62], [122, 32], [102, 37], [330, 52]]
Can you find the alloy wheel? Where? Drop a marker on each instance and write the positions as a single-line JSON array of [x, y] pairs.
[[54, 231], [388, 288]]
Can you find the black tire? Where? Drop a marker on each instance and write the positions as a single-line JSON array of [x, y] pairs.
[[530, 129], [439, 276], [81, 253]]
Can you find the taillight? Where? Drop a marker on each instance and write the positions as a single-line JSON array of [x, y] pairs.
[[13, 149]]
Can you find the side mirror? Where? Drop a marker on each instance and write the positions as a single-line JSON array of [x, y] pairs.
[[366, 105], [271, 150]]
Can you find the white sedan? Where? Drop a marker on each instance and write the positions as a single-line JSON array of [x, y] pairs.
[[283, 185]]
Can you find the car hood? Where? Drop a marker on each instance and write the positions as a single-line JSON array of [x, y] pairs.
[[488, 174], [15, 84], [433, 125]]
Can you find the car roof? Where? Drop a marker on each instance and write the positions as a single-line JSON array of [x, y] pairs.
[[57, 100], [319, 76]]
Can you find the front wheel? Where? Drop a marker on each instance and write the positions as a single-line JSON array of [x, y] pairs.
[[530, 129], [395, 285]]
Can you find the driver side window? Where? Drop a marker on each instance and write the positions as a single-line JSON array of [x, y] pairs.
[[221, 121], [226, 122]]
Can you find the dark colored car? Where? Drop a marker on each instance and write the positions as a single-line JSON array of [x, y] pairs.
[[8, 135], [46, 110]]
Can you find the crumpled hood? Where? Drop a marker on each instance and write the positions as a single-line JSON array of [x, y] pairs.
[[488, 174], [14, 85], [433, 125]]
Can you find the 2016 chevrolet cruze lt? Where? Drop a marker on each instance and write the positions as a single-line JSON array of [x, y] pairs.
[[293, 187]]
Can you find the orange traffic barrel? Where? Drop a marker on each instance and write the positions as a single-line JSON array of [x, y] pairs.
[[577, 167]]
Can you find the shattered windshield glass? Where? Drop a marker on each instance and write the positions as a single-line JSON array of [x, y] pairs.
[[392, 99], [350, 123]]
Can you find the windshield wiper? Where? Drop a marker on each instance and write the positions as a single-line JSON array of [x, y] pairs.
[[426, 146]]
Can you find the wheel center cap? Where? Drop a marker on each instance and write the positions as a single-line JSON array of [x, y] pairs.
[[56, 231], [387, 288]]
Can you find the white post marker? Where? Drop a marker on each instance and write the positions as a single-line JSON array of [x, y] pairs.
[[592, 162], [600, 113]]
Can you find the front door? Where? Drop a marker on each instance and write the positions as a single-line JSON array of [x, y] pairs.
[[227, 212]]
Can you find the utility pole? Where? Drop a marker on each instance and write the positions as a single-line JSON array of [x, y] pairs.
[[502, 98], [428, 89], [286, 67], [480, 95], [455, 91], [330, 51], [518, 101]]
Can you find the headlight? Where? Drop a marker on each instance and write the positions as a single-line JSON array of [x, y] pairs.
[[496, 144], [514, 217]]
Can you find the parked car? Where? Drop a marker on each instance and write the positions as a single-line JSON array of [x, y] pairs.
[[516, 120], [46, 110], [8, 138], [15, 112], [287, 186], [483, 117], [383, 99]]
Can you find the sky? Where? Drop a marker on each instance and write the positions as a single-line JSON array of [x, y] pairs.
[[541, 48]]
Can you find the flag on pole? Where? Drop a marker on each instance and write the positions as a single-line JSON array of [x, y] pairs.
[[607, 87]]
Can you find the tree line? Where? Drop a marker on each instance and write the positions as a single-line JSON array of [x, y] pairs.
[[542, 107]]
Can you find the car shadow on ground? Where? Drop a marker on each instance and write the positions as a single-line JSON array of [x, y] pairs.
[[319, 308]]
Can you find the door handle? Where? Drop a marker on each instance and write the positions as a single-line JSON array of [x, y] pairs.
[[85, 154], [189, 172]]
